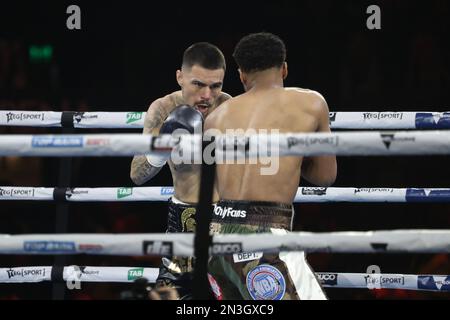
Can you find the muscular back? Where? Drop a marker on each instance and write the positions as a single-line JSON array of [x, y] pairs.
[[285, 109]]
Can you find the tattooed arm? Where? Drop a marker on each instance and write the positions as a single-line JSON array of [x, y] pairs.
[[141, 170]]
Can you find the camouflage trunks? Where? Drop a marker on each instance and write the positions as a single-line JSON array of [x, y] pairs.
[[254, 275]]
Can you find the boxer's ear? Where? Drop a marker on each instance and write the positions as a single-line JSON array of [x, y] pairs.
[[179, 76], [284, 70], [243, 77]]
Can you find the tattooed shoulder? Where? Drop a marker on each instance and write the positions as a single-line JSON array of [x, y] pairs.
[[156, 114], [176, 99]]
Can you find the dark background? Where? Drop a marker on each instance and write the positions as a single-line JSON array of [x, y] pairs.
[[126, 55]]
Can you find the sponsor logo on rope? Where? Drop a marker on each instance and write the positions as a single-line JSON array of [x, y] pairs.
[[392, 280], [441, 283], [49, 246], [329, 279], [372, 280], [124, 192], [388, 138], [265, 282], [432, 120], [166, 191], [309, 141], [13, 192], [370, 190], [57, 142], [379, 246], [78, 116], [382, 115], [226, 248], [25, 272], [98, 142], [300, 247], [135, 273], [224, 212], [89, 272], [426, 195], [73, 191], [11, 116], [235, 143], [314, 191], [134, 116], [160, 248], [88, 247]]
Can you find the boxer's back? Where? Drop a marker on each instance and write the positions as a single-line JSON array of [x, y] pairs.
[[283, 109]]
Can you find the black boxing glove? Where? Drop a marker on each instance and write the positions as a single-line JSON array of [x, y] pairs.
[[182, 117]]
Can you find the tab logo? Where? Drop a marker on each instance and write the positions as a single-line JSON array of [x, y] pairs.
[[136, 273], [133, 117], [124, 192]]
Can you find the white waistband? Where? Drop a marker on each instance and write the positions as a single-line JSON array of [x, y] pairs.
[[175, 200]]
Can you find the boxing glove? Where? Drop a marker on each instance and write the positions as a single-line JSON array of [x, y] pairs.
[[182, 117]]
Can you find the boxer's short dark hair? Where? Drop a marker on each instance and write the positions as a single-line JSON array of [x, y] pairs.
[[259, 51], [205, 55]]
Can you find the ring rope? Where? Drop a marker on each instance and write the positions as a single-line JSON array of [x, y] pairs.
[[77, 273], [439, 283], [304, 194], [135, 120], [34, 274], [181, 244], [287, 144], [385, 281]]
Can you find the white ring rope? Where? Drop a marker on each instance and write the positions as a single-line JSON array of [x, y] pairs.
[[78, 273], [129, 274], [181, 244], [390, 120], [385, 281], [373, 143], [260, 145], [129, 120], [304, 194]]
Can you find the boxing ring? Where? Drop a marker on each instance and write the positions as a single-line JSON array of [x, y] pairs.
[[434, 141]]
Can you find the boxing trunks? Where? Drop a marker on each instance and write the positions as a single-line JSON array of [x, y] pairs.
[[254, 275], [177, 271]]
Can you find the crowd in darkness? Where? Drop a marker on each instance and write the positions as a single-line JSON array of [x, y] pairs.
[[124, 58]]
